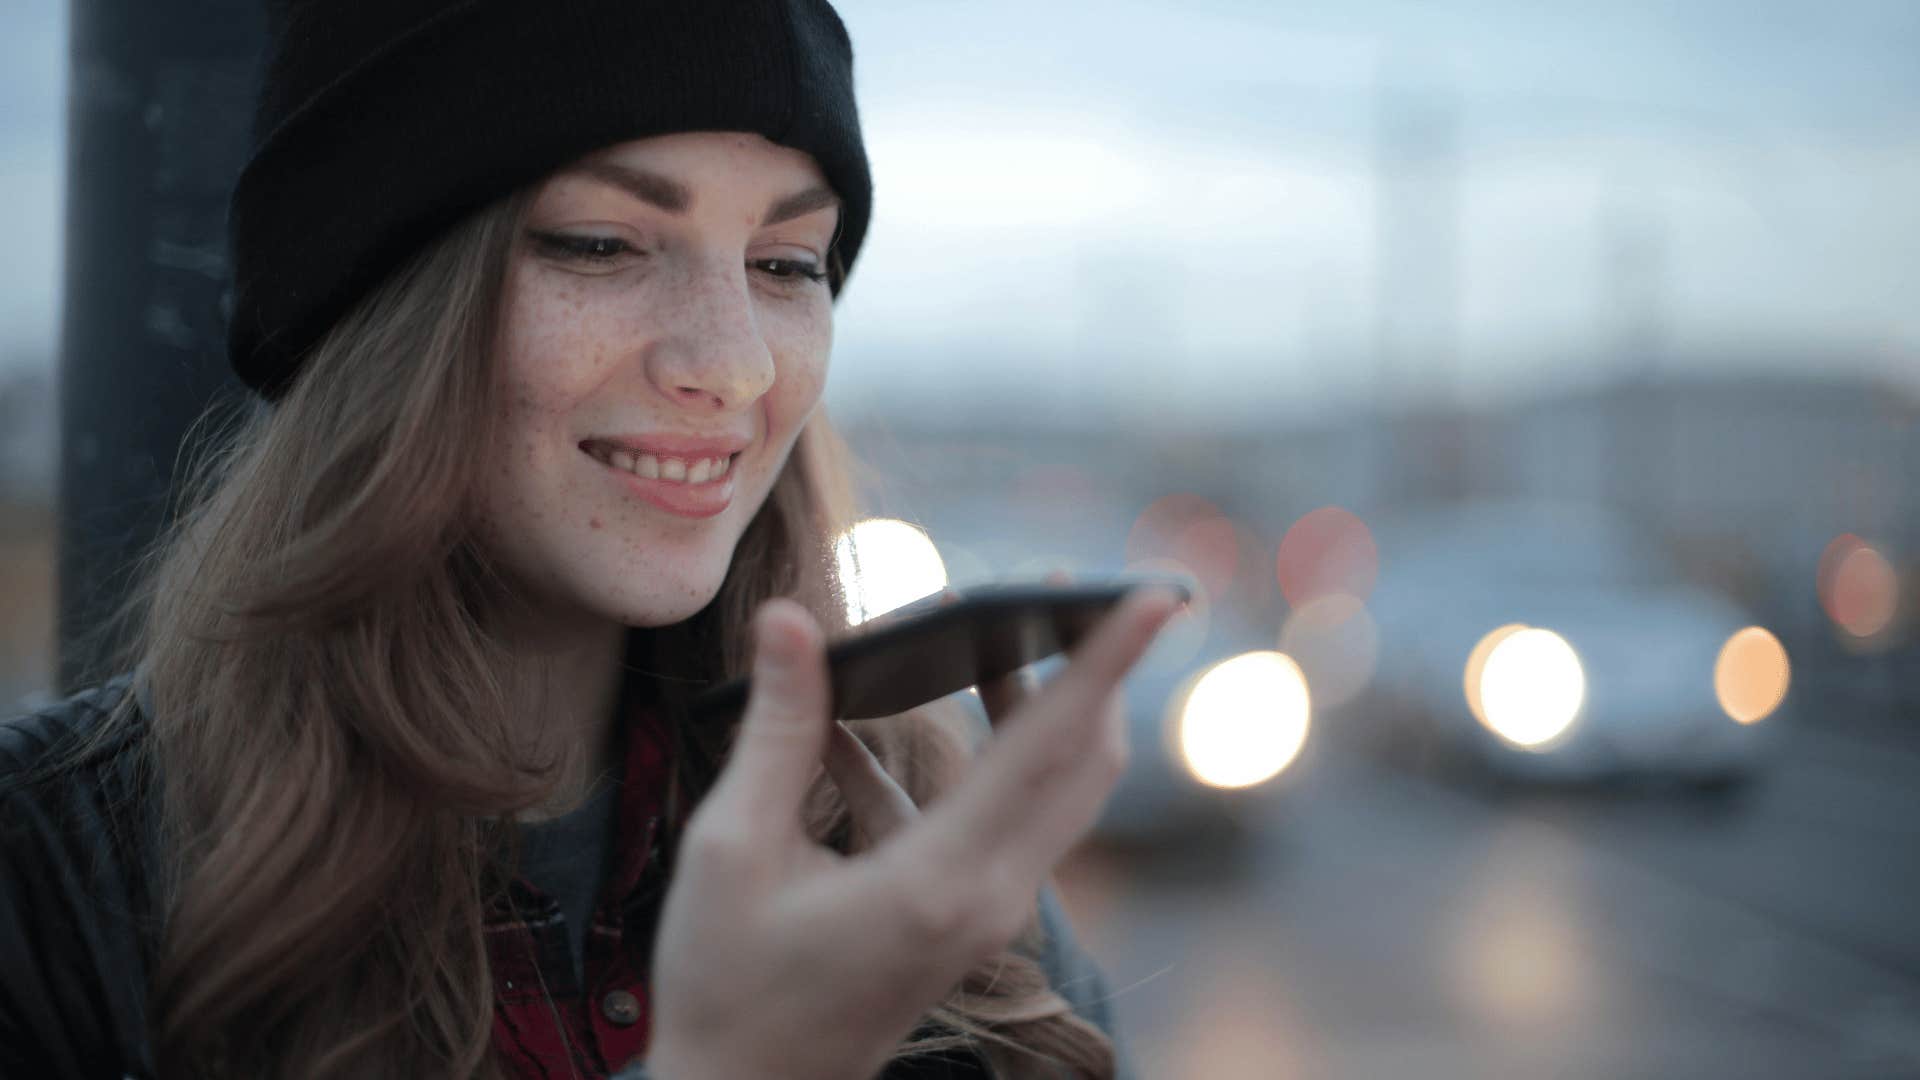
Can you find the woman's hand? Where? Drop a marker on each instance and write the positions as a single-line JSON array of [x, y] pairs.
[[779, 957]]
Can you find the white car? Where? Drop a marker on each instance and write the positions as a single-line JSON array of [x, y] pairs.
[[1552, 643]]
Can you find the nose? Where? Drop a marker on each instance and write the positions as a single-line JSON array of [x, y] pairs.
[[711, 357]]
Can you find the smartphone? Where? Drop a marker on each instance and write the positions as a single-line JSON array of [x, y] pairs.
[[949, 641]]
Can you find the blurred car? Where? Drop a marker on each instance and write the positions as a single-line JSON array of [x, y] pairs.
[[1553, 643]]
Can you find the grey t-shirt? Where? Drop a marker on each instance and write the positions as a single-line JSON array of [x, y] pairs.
[[566, 858]]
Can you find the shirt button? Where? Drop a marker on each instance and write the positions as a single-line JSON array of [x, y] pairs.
[[621, 1007]]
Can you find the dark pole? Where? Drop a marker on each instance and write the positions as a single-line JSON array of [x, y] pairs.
[[160, 105]]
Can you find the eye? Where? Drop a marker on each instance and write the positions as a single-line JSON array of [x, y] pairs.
[[791, 269], [586, 249]]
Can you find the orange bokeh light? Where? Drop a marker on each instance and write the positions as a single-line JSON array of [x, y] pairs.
[[1327, 551], [1751, 676], [1859, 589], [1192, 532]]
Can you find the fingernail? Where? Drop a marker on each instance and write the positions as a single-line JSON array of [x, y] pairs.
[[1168, 601]]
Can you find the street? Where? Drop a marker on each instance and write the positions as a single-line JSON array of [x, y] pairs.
[[1376, 923]]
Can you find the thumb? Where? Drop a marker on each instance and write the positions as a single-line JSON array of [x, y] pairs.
[[784, 729]]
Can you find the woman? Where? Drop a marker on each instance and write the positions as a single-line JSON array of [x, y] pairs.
[[539, 298]]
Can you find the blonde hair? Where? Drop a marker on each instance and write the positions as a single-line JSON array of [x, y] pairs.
[[329, 726]]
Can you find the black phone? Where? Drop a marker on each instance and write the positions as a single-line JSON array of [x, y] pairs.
[[949, 641]]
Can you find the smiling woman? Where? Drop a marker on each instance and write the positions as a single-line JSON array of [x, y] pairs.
[[398, 780], [678, 339]]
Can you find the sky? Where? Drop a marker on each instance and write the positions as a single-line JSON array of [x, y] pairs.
[[1134, 204]]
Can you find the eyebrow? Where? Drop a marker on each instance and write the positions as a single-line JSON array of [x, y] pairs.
[[651, 188], [674, 197]]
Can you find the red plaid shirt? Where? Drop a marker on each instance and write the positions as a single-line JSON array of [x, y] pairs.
[[549, 1023]]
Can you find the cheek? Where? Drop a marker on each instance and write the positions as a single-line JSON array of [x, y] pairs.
[[553, 344], [549, 357], [803, 367], [799, 388]]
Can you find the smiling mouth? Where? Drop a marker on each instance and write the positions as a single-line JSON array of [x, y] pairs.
[[689, 471]]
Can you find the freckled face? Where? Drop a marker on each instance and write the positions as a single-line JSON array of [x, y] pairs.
[[662, 296]]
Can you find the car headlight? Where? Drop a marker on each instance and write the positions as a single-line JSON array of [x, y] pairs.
[[1243, 720], [1750, 677], [1531, 687], [1477, 664]]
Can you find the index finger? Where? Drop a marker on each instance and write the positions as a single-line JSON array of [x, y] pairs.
[[1040, 782]]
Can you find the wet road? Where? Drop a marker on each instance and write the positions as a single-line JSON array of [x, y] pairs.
[[1383, 924]]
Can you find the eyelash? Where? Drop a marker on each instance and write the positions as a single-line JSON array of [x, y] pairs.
[[604, 249]]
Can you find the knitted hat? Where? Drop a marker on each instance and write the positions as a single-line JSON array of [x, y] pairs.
[[384, 122]]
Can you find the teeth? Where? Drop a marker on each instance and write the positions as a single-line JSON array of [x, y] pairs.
[[653, 467]]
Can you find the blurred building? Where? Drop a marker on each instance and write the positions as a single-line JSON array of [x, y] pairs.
[[1745, 479]]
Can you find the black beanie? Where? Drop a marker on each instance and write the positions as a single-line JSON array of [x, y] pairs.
[[384, 122]]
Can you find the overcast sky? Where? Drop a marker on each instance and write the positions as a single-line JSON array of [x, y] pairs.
[[1145, 199]]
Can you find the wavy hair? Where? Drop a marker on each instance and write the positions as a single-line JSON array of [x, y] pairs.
[[330, 731]]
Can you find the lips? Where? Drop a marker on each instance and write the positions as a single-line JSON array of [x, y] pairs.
[[703, 487]]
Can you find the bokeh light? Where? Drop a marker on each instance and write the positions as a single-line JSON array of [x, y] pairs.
[[1477, 662], [1336, 644], [1831, 557], [885, 563], [1329, 550], [1191, 532], [1751, 676], [1859, 589], [1531, 687], [1243, 720]]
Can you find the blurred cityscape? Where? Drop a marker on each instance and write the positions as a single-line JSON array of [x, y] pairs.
[[1402, 891]]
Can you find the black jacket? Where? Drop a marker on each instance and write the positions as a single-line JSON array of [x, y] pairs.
[[76, 921], [78, 924]]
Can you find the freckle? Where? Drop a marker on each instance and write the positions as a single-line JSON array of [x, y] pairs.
[[594, 523]]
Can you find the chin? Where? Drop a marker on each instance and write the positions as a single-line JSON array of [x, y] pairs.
[[663, 603]]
